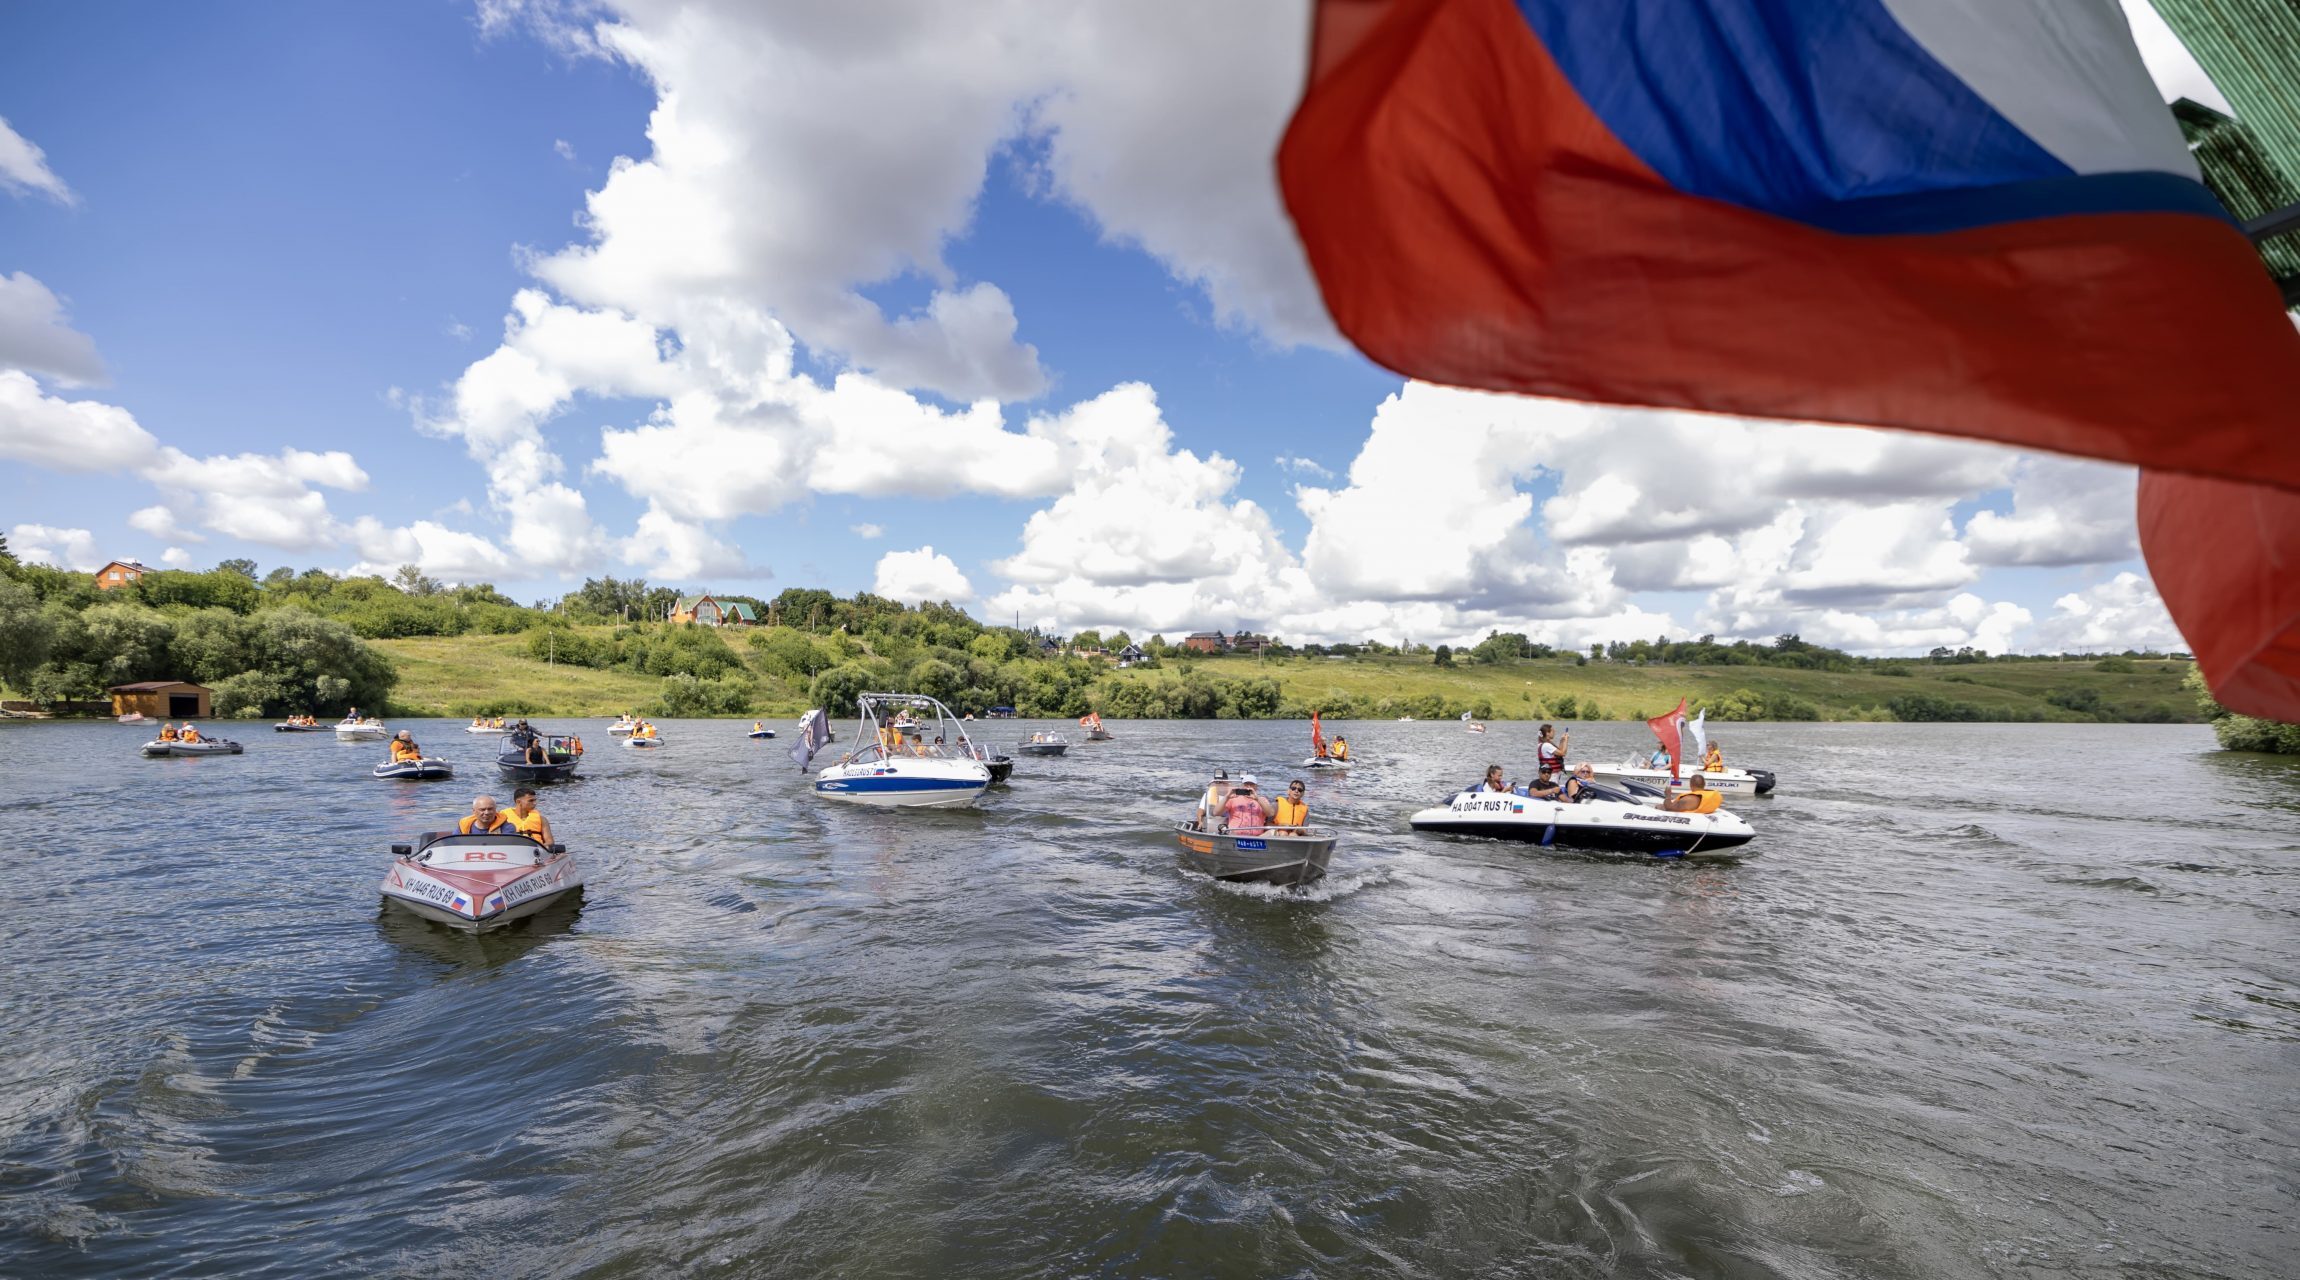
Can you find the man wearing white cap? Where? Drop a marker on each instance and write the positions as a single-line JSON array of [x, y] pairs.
[[1245, 812], [1210, 804]]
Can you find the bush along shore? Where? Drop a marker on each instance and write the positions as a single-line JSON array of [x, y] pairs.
[[2243, 733], [318, 643]]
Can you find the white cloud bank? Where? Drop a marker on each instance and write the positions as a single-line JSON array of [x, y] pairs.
[[923, 575]]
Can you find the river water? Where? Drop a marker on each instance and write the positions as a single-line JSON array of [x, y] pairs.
[[1994, 1000]]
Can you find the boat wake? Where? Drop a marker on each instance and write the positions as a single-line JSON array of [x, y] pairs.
[[1332, 888]]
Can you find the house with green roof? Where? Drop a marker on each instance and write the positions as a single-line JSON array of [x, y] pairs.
[[710, 611]]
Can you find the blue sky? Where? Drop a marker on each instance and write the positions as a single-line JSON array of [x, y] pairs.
[[1014, 302]]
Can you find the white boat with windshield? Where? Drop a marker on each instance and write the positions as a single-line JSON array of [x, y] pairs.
[[910, 753]]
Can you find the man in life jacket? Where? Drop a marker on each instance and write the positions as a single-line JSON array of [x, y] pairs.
[[1695, 798], [526, 819], [403, 748], [483, 818], [1713, 760], [1246, 813], [1293, 810], [187, 733], [1210, 803], [1549, 756]]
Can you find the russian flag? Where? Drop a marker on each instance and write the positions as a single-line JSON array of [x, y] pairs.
[[1969, 217]]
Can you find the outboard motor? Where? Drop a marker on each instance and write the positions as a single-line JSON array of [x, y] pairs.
[[1764, 779]]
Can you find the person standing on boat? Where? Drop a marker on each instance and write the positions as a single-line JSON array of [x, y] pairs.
[[1549, 755], [1245, 813], [528, 745], [1210, 804], [1293, 816]]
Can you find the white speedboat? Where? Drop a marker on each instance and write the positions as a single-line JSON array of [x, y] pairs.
[[135, 717], [368, 730], [1608, 822], [481, 881], [204, 747], [623, 728], [1733, 782], [899, 770], [496, 729], [424, 769]]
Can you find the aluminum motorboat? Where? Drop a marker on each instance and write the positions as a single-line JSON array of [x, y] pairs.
[[1043, 744], [1607, 821], [1296, 856], [895, 769], [368, 730], [204, 747], [424, 769], [480, 881]]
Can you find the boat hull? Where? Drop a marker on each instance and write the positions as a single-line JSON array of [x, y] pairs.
[[360, 733], [1001, 768], [303, 728], [415, 770], [485, 728], [478, 883], [212, 747], [642, 744], [905, 784], [1326, 762], [1598, 826], [760, 733], [518, 770], [1041, 748], [1262, 859]]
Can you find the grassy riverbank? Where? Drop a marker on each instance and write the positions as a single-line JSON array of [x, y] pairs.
[[471, 674], [2149, 692]]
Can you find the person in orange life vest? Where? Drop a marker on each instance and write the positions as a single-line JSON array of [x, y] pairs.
[[188, 733], [1246, 813], [403, 748], [483, 818], [1294, 811], [168, 732], [527, 819]]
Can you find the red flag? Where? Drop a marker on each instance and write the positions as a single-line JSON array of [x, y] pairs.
[[1669, 730], [1503, 194], [1317, 738]]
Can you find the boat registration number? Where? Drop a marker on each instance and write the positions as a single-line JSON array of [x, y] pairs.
[[1251, 845]]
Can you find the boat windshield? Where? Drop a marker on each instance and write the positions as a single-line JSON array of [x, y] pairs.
[[909, 726]]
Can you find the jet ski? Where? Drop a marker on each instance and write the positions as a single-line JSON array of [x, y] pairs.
[[1607, 821], [480, 881], [427, 767], [204, 747]]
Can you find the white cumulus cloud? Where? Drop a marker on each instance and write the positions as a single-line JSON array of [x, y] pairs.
[[2064, 511], [24, 167], [34, 336], [921, 575], [63, 548], [2122, 613], [68, 435]]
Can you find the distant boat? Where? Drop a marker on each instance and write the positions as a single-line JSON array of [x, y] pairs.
[[1091, 722]]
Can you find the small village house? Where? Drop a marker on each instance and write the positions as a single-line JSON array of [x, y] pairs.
[[119, 573], [1131, 654], [711, 612], [1206, 642], [162, 700]]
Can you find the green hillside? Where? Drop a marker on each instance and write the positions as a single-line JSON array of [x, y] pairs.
[[1386, 687]]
